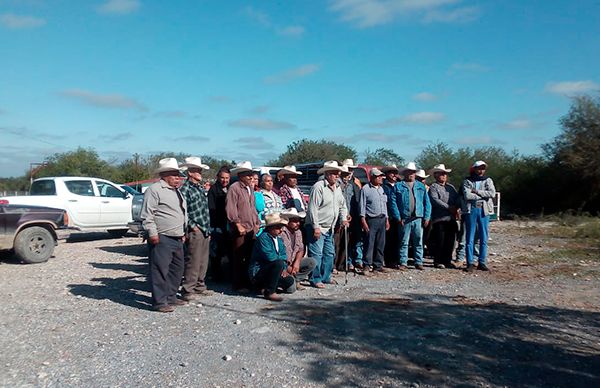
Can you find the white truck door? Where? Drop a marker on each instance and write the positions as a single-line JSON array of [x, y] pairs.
[[82, 203], [115, 204]]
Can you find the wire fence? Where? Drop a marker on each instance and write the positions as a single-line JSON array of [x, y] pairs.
[[10, 193]]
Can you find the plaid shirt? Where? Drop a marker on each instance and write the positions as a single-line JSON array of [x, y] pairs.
[[197, 205], [288, 200]]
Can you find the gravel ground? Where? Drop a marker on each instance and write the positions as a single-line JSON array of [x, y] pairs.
[[84, 319]]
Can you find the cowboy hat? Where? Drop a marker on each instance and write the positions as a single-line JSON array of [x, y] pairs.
[[479, 163], [245, 166], [167, 164], [194, 162], [421, 174], [289, 170], [387, 169], [330, 165], [439, 168], [346, 170], [292, 213], [349, 163], [411, 166], [274, 219]]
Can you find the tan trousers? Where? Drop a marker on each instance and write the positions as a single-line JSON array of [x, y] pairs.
[[196, 263]]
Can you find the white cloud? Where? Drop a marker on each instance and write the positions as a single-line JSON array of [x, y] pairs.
[[258, 16], [20, 22], [104, 100], [189, 139], [292, 74], [370, 13], [425, 97], [293, 31], [468, 68], [122, 136], [261, 124], [258, 110], [419, 118], [172, 114], [479, 140], [258, 143], [380, 138], [518, 124], [571, 88], [119, 7]]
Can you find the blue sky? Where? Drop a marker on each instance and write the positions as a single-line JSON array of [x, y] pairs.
[[241, 80]]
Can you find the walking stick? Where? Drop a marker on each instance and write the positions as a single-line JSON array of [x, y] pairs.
[[346, 250]]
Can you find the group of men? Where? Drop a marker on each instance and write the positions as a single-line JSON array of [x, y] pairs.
[[343, 224]]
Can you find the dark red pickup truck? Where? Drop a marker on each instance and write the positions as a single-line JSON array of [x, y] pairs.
[[30, 230]]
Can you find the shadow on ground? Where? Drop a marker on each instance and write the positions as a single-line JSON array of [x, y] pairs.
[[443, 341], [132, 290]]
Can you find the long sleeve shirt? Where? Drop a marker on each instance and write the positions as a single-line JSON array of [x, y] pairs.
[[164, 210], [197, 206], [264, 250], [289, 200], [293, 243], [373, 201], [240, 206], [216, 206], [325, 206], [442, 198]]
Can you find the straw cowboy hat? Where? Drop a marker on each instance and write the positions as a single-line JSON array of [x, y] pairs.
[[274, 219], [421, 174], [330, 165], [479, 163], [194, 162], [440, 168], [167, 164], [289, 170], [411, 166], [349, 163], [245, 166], [292, 213], [386, 169]]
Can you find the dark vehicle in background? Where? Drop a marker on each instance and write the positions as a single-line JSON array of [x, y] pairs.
[[30, 230]]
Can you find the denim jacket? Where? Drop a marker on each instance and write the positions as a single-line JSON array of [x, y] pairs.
[[402, 201]]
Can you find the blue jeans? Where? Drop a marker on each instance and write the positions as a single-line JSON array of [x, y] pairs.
[[476, 221], [322, 251], [411, 229]]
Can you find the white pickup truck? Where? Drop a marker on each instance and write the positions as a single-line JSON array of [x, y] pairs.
[[91, 203]]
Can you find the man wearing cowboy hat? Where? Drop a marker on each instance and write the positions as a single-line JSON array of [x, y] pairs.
[[298, 265], [392, 258], [374, 221], [243, 222], [412, 212], [444, 213], [269, 260], [350, 187], [164, 217], [326, 204], [290, 193], [219, 240], [198, 230]]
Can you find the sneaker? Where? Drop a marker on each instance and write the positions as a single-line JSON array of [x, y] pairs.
[[483, 267], [419, 267], [470, 268], [164, 309]]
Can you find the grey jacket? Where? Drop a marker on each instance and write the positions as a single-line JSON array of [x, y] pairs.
[[484, 193], [325, 206], [442, 198]]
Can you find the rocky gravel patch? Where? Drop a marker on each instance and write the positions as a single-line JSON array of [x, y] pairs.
[[84, 319]]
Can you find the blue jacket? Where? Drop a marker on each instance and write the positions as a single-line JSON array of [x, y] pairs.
[[401, 195], [391, 198], [264, 251]]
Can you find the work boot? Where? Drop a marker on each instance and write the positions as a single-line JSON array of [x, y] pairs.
[[482, 267], [470, 268]]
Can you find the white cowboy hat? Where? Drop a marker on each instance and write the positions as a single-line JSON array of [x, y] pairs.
[[167, 164], [289, 170], [393, 167], [330, 165], [345, 169], [245, 166], [292, 213], [349, 163], [479, 163], [421, 174], [194, 161], [411, 166], [439, 168], [375, 172], [274, 219]]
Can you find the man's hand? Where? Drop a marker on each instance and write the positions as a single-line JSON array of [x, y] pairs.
[[348, 218], [401, 222], [317, 233], [241, 229], [296, 267], [345, 224], [153, 240], [365, 225], [285, 274], [387, 224], [425, 223]]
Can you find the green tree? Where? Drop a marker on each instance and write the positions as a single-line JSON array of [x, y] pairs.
[[81, 162], [383, 157], [306, 151]]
